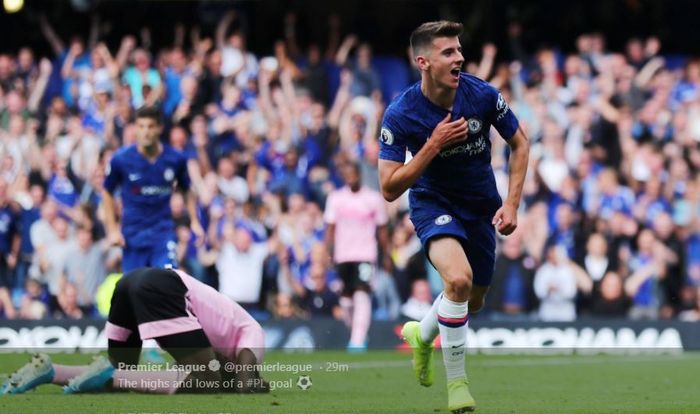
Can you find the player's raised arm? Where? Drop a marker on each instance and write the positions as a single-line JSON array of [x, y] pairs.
[[396, 177]]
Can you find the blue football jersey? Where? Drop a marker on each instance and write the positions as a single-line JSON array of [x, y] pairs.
[[146, 188], [460, 176]]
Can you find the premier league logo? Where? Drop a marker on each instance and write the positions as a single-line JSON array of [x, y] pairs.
[[501, 103], [386, 136], [501, 107], [474, 125]]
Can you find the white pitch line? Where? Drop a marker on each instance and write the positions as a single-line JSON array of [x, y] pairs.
[[574, 360]]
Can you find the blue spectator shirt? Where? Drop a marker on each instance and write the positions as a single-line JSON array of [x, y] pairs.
[[8, 229]]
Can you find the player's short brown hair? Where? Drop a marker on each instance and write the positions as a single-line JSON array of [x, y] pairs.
[[425, 33], [150, 112]]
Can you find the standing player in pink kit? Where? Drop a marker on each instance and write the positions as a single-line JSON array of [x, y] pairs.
[[197, 325], [356, 218]]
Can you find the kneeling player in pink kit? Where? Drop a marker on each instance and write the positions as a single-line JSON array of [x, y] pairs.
[[216, 344]]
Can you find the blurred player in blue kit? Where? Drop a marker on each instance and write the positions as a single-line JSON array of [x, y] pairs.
[[444, 121], [147, 174]]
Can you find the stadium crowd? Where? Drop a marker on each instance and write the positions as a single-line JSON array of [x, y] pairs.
[[609, 225]]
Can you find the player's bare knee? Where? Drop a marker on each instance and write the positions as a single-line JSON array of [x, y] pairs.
[[460, 283]]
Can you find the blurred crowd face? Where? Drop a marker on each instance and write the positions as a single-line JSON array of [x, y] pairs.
[[178, 137], [421, 291], [198, 125], [645, 242], [364, 56], [36, 192], [652, 188], [96, 59], [188, 88], [25, 59], [101, 99], [564, 216], [58, 107], [242, 240], [296, 204], [556, 255], [231, 95], [318, 114], [69, 298], [400, 237], [635, 50], [291, 159], [84, 238], [284, 308], [214, 62], [61, 227], [129, 136], [611, 286], [597, 246], [14, 102], [317, 274], [663, 226], [33, 288], [230, 208], [178, 60], [236, 41], [49, 210], [226, 168], [6, 66], [141, 60], [512, 246], [314, 54], [607, 182], [692, 71]]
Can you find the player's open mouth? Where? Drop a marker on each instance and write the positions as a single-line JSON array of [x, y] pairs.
[[455, 73]]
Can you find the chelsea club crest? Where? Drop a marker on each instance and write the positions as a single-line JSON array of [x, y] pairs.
[[444, 219], [474, 125]]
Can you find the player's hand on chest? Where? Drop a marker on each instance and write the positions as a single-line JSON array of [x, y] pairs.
[[454, 129]]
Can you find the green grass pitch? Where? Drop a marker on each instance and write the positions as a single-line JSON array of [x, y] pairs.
[[382, 382]]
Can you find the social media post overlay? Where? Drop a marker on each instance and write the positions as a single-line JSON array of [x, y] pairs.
[[277, 372], [221, 376], [292, 371]]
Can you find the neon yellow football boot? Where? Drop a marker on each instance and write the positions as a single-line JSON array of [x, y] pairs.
[[459, 399], [422, 353]]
